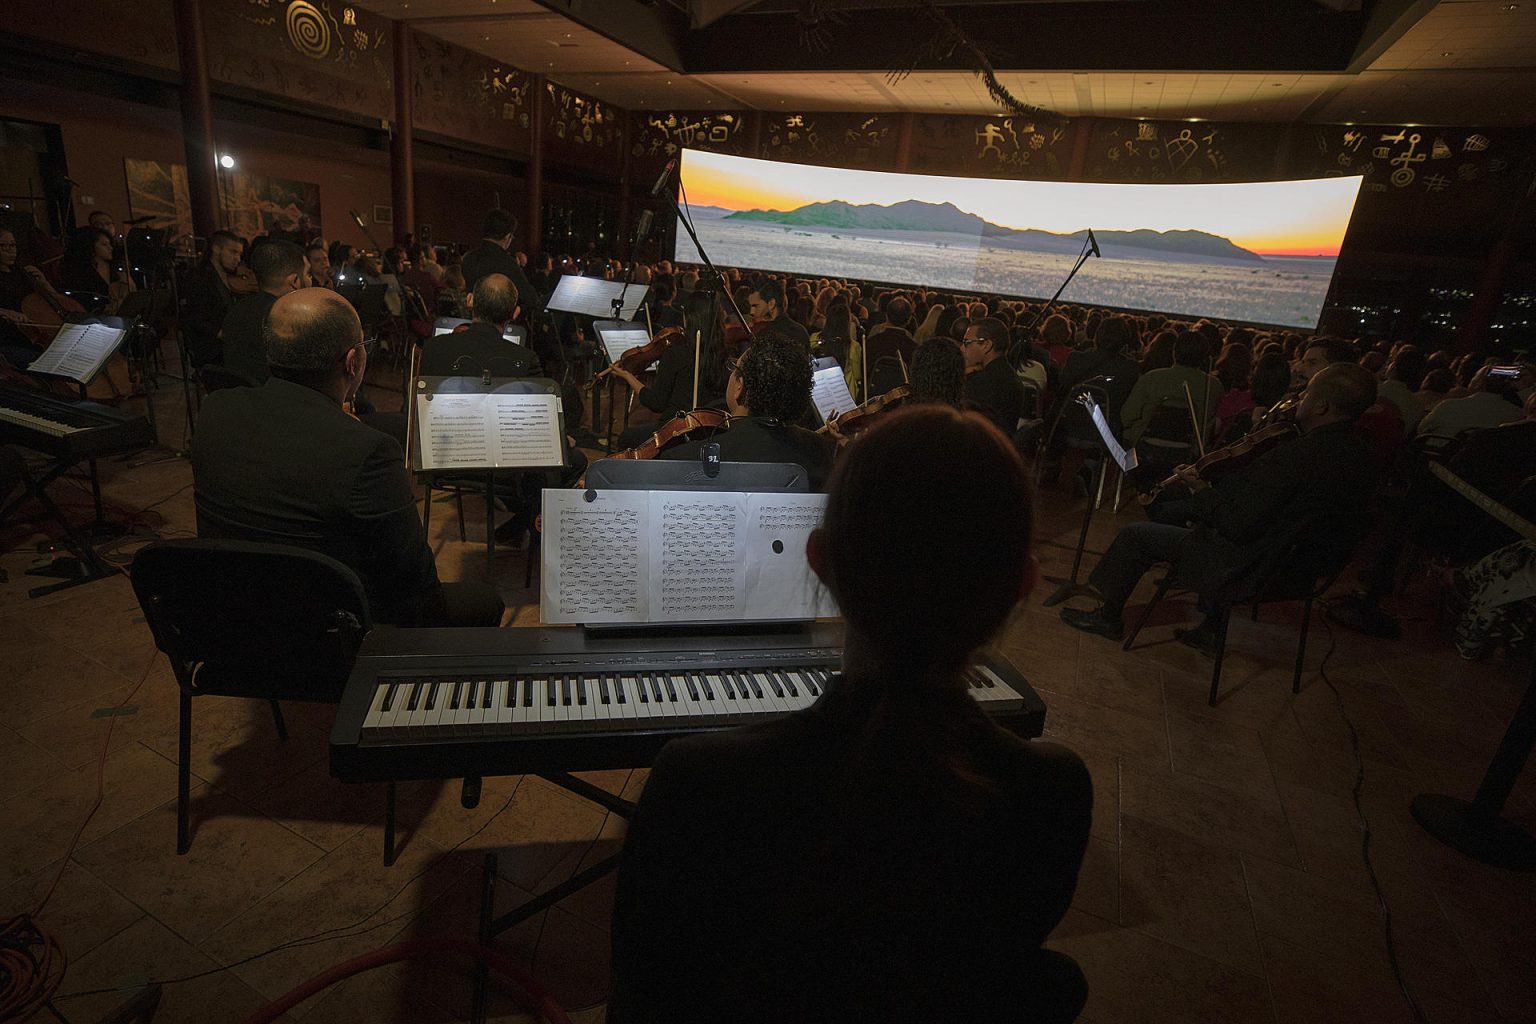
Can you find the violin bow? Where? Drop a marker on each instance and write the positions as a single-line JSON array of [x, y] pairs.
[[698, 344], [1189, 401], [904, 378]]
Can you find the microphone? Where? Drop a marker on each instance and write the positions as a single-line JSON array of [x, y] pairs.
[[643, 225], [661, 180], [358, 220], [1093, 243]]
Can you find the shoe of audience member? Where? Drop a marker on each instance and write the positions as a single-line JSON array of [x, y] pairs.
[[1353, 613], [1095, 622]]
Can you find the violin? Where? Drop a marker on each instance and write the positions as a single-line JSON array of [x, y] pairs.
[[46, 311], [1280, 424], [862, 417], [686, 426], [636, 360]]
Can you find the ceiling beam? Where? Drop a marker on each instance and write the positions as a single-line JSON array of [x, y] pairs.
[[654, 31], [707, 12], [1390, 20]]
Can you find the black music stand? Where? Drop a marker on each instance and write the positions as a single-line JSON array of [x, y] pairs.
[[614, 337], [1093, 399], [1476, 827]]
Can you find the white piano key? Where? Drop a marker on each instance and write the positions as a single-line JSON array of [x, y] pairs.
[[372, 719]]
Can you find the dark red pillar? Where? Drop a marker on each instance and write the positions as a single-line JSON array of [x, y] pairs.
[[904, 141], [1082, 135], [197, 118], [534, 233], [402, 173], [626, 187]]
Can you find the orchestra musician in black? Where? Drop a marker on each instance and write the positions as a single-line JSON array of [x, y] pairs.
[[888, 854]]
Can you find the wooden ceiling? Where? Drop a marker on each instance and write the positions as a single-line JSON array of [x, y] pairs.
[[1465, 62]]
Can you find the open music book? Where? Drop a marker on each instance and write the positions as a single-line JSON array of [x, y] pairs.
[[829, 392], [79, 351], [679, 556], [489, 431]]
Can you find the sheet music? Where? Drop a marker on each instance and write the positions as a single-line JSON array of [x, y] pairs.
[[617, 341], [778, 576], [593, 296], [78, 351], [829, 392], [1126, 460], [595, 557], [698, 556], [489, 431]]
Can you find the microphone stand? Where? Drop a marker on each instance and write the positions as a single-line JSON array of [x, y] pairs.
[[642, 229], [717, 283], [1082, 258]]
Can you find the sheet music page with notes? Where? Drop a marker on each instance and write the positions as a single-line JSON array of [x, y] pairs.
[[489, 431], [830, 394], [78, 351], [596, 557], [701, 556]]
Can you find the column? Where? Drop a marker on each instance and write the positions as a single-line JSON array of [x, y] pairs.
[[533, 239], [402, 174], [197, 118], [904, 141]]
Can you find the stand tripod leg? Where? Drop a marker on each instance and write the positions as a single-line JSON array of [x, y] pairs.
[[1069, 587]]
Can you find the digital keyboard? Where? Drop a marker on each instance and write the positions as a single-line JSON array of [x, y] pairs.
[[447, 703], [69, 430]]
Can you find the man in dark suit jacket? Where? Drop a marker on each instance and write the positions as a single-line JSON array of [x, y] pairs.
[[1331, 467], [493, 256], [766, 303], [205, 298], [283, 463], [280, 269], [483, 346], [768, 391], [991, 386]]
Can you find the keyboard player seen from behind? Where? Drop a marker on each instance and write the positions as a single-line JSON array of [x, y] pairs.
[[888, 854], [283, 463]]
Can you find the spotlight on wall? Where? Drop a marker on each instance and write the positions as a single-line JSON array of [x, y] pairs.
[[227, 162]]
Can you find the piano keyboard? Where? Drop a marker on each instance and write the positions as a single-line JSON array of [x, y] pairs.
[[573, 702], [53, 428]]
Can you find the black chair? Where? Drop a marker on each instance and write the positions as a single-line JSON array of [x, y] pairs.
[[263, 621], [216, 378], [1305, 561]]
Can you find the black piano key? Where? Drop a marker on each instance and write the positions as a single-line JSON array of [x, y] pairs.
[[809, 675], [565, 691], [751, 680], [602, 689], [773, 683], [512, 685], [528, 687], [666, 680], [618, 688], [415, 701], [643, 684], [458, 692], [687, 680], [487, 687], [581, 689], [389, 698], [788, 682], [550, 689], [432, 695], [730, 687], [703, 681]]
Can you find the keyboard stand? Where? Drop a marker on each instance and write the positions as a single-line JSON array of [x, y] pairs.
[[91, 565], [491, 926]]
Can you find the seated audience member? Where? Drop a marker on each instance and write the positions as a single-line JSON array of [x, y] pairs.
[[991, 386], [206, 298], [280, 268], [1404, 374], [766, 308], [1235, 371], [1489, 403], [1382, 423], [768, 391], [1155, 388], [422, 276], [1331, 467], [285, 464], [894, 336], [1056, 338], [664, 313], [1434, 389], [839, 339], [938, 374], [888, 854], [482, 346]]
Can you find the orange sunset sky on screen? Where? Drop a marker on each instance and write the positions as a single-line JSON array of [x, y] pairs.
[[1274, 218]]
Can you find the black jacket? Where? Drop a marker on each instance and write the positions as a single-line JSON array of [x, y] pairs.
[[1085, 365], [995, 392], [672, 390], [490, 258], [477, 348], [809, 869], [283, 464], [205, 300], [245, 352], [753, 439], [784, 327]]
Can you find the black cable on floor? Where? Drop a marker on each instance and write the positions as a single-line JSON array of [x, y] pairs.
[[1365, 825]]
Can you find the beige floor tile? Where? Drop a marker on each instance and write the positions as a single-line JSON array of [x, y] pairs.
[[1225, 753], [1114, 679], [388, 995], [1312, 988], [40, 824], [1136, 739], [147, 950], [1135, 978], [83, 911], [1327, 831], [323, 810], [27, 765], [1098, 880], [1187, 893], [74, 734], [237, 857], [42, 679], [543, 835], [343, 905], [433, 809], [1216, 815]]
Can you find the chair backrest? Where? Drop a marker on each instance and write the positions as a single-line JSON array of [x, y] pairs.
[[243, 619], [217, 378], [368, 300], [1309, 555], [885, 374], [1170, 425]]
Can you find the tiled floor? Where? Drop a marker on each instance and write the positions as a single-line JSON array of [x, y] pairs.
[[1223, 881]]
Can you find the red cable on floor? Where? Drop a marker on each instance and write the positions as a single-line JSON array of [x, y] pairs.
[[543, 1003]]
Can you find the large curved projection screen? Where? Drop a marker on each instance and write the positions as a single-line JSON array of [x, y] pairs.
[[1261, 251]]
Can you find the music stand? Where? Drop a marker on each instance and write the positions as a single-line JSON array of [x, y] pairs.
[[1092, 399], [595, 297], [615, 337]]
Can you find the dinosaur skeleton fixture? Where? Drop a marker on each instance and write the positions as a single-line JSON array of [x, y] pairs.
[[948, 39]]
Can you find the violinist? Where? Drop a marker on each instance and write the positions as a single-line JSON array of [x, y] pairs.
[[1330, 468], [15, 285], [991, 386], [206, 297], [90, 270], [768, 391], [839, 339], [672, 391], [663, 313]]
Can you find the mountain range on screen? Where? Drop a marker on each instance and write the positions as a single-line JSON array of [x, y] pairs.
[[914, 215]]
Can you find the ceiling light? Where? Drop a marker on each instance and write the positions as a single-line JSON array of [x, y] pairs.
[[226, 161]]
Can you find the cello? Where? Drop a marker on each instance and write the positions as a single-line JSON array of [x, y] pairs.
[[46, 311]]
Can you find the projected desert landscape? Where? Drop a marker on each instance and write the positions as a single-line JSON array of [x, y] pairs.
[[1163, 247]]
